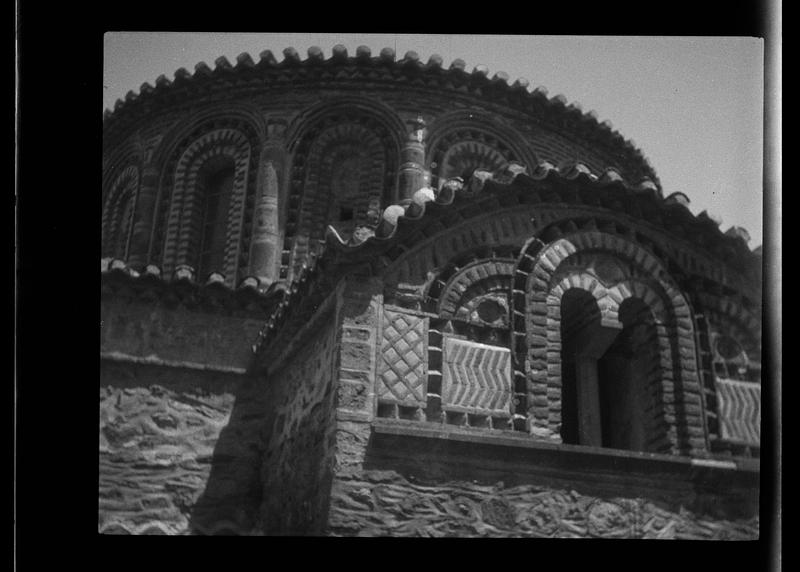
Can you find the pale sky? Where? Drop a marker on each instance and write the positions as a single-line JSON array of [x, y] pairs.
[[693, 106]]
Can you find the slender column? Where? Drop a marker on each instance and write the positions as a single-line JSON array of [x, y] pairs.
[[589, 423], [589, 345], [412, 161], [637, 380], [265, 249]]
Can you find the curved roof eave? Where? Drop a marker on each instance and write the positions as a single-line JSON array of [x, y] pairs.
[[410, 67]]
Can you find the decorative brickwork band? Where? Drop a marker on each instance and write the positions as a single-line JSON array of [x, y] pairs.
[[739, 407], [118, 213], [402, 366], [476, 378]]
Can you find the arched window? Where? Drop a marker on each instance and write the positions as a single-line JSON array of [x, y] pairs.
[[202, 216], [609, 353], [347, 170], [345, 188]]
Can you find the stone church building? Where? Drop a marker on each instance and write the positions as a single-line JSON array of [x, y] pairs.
[[371, 295]]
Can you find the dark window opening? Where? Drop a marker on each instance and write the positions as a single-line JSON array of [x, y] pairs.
[[731, 361], [627, 371], [467, 173], [579, 311], [347, 186], [608, 373], [346, 213], [490, 311], [218, 188]]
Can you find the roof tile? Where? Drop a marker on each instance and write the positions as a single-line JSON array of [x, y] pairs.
[[244, 60], [267, 58], [387, 54]]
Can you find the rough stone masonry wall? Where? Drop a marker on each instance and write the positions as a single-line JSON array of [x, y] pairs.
[[299, 433], [387, 503], [178, 449], [417, 488]]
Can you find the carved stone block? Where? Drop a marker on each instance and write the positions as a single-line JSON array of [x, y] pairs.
[[739, 407], [476, 378], [402, 367]]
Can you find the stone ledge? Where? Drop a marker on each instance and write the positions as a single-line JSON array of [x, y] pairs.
[[157, 361], [559, 457]]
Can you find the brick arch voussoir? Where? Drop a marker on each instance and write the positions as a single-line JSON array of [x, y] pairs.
[[180, 232], [680, 373], [163, 164], [465, 280], [240, 156], [608, 306], [364, 108], [538, 362], [557, 251], [447, 124], [125, 187], [128, 178], [247, 118], [749, 321], [658, 300], [414, 260], [625, 230], [119, 160]]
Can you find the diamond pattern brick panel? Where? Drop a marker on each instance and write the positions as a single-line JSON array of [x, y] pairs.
[[402, 375], [476, 378], [739, 411]]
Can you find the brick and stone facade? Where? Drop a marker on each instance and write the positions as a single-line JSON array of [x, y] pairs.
[[369, 296]]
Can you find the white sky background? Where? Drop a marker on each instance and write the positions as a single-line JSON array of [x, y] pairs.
[[694, 106]]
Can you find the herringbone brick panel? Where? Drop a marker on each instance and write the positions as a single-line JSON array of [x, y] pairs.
[[476, 378], [739, 411]]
